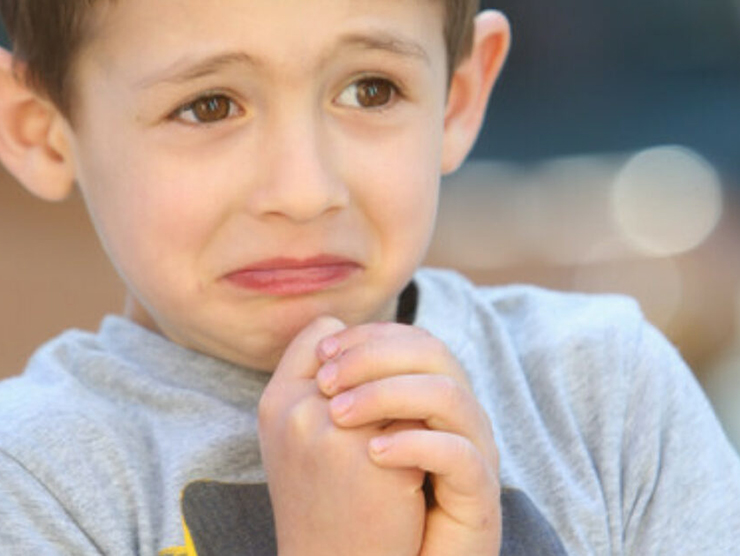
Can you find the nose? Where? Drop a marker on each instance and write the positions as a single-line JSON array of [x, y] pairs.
[[300, 181]]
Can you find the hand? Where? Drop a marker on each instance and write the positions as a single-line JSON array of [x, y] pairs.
[[385, 371], [328, 496]]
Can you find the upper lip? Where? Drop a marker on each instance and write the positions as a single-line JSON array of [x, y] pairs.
[[289, 263]]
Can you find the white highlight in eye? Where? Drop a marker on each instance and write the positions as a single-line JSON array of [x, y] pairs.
[[667, 200], [348, 97]]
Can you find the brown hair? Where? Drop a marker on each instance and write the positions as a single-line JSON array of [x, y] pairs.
[[46, 35], [459, 15]]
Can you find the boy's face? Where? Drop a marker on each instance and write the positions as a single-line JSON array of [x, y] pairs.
[[252, 164]]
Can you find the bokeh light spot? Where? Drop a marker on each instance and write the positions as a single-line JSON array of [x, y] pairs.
[[667, 200]]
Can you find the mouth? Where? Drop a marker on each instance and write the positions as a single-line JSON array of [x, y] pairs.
[[289, 277]]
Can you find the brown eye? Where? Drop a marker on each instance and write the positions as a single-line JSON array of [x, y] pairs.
[[211, 109], [208, 109], [368, 93], [374, 92]]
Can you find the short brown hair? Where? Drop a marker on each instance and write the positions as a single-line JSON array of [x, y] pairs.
[[46, 35]]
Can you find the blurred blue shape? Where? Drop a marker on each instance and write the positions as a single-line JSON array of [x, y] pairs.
[[4, 42], [622, 75]]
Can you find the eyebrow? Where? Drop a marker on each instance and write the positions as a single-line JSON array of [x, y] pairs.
[[184, 69], [387, 42]]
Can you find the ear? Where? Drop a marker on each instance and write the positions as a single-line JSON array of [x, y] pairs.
[[34, 143], [471, 85]]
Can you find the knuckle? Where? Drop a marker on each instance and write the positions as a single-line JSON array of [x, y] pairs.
[[478, 469], [438, 351], [464, 451], [452, 394], [302, 419]]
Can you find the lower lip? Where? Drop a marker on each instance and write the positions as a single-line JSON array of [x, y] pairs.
[[293, 281]]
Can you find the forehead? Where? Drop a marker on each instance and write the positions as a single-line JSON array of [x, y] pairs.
[[297, 32]]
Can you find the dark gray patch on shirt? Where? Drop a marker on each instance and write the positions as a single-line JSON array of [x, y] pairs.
[[229, 519], [237, 520], [526, 532]]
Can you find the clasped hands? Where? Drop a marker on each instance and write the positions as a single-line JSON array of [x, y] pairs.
[[352, 422]]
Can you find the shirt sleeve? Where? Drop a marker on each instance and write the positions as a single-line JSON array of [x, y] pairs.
[[32, 521], [681, 476]]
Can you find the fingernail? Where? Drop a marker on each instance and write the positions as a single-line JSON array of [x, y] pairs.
[[341, 405], [329, 348], [327, 377], [380, 444]]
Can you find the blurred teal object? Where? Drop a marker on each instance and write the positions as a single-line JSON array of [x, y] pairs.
[[4, 42], [588, 77]]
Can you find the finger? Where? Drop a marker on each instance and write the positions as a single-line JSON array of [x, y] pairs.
[[375, 351], [439, 401], [300, 359], [330, 346], [465, 483]]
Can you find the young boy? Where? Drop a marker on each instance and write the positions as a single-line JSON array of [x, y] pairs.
[[263, 175]]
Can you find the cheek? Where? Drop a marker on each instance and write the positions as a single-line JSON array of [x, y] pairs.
[[152, 219], [402, 188]]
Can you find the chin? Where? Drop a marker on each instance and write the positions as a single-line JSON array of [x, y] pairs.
[[270, 342], [257, 337]]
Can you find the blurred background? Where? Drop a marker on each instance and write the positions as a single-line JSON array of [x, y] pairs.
[[610, 162]]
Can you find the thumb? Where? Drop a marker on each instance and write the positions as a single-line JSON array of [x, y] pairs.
[[300, 359]]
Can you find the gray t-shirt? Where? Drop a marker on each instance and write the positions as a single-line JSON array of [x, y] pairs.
[[123, 443]]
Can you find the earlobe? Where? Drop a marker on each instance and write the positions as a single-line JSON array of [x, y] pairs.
[[471, 85], [34, 144]]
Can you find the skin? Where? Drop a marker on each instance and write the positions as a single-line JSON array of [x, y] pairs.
[[296, 170], [238, 133], [405, 399], [350, 505]]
